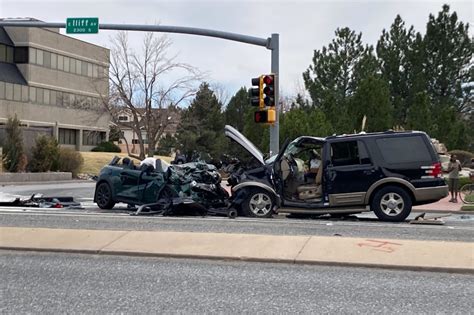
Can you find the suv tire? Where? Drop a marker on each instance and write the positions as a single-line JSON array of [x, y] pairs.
[[258, 203], [392, 204]]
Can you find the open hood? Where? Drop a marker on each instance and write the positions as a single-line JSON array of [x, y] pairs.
[[235, 135]]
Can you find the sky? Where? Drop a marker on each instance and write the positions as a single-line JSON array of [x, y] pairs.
[[303, 26]]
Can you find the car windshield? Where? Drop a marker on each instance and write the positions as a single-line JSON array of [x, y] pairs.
[[293, 148]]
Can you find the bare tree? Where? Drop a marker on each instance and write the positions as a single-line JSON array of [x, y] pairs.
[[148, 86], [220, 92]]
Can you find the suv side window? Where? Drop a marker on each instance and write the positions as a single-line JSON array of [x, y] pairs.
[[349, 153], [403, 149]]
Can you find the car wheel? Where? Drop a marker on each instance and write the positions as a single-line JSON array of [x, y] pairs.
[[103, 196], [258, 203], [391, 204]]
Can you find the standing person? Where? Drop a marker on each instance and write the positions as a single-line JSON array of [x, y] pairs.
[[454, 167]]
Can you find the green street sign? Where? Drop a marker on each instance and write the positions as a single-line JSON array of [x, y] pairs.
[[82, 25]]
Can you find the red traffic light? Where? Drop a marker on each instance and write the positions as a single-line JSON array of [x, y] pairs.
[[268, 79], [260, 116]]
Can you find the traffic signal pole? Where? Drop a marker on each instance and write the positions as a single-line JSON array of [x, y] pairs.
[[271, 43], [275, 128]]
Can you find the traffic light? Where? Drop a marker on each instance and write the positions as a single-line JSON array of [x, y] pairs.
[[267, 116], [269, 90], [262, 94], [256, 92]]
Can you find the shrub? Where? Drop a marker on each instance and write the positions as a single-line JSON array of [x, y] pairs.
[[13, 148], [106, 147], [463, 156], [45, 155], [70, 161]]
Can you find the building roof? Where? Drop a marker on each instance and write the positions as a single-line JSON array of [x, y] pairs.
[[10, 73], [4, 38]]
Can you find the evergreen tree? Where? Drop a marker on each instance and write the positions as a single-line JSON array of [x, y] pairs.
[[302, 122], [372, 99], [419, 114], [331, 79], [202, 125], [448, 54], [394, 50], [13, 148], [235, 111]]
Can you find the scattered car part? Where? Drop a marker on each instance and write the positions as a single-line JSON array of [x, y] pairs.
[[40, 201], [422, 219]]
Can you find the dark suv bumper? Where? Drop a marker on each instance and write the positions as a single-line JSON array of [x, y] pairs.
[[430, 194]]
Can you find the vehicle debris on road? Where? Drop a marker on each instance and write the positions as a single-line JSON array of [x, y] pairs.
[[40, 201]]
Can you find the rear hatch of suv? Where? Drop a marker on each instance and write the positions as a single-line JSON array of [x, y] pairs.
[[410, 156]]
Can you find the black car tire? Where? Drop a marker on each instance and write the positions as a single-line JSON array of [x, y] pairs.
[[391, 204], [258, 203], [104, 196]]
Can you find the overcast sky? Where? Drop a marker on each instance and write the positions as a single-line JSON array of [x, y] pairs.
[[303, 27]]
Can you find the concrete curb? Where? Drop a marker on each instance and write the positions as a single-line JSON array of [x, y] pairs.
[[245, 259], [453, 257]]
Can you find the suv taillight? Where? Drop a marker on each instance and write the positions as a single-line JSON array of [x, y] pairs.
[[432, 171]]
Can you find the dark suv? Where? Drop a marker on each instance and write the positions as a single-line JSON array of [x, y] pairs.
[[386, 172]]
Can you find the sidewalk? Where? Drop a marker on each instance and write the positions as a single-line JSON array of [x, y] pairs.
[[341, 251], [442, 205]]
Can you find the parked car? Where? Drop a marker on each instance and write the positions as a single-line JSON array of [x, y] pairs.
[[385, 172], [166, 188]]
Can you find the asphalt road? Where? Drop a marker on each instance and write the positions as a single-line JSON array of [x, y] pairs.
[[65, 283], [457, 228]]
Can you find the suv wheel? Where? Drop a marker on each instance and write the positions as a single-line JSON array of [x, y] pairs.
[[104, 196], [391, 204], [258, 203]]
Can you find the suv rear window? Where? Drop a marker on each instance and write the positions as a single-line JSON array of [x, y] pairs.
[[404, 149]]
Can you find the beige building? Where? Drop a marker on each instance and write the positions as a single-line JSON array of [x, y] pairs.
[[53, 83], [130, 137]]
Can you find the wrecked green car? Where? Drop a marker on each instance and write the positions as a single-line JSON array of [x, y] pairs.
[[162, 188]]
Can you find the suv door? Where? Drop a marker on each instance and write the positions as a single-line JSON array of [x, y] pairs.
[[349, 172]]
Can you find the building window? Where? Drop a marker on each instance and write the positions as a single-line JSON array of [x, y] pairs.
[[40, 95], [47, 59], [32, 94], [123, 118], [89, 69], [3, 53], [66, 64], [39, 57], [53, 100], [60, 62], [92, 137], [21, 54], [46, 97], [54, 61], [24, 93], [67, 136], [9, 91], [9, 54], [2, 90], [16, 92], [32, 57], [72, 65]]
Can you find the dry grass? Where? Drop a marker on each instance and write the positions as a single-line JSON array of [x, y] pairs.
[[94, 161]]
